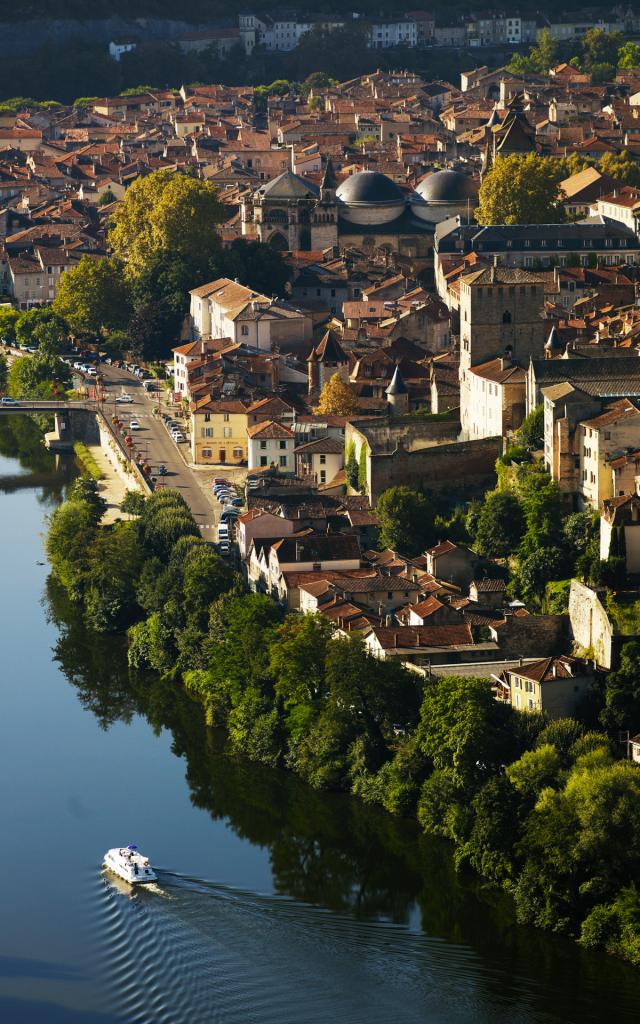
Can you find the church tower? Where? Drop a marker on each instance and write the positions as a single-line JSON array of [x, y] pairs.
[[324, 219], [397, 395]]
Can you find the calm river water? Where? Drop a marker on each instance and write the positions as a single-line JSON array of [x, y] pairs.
[[275, 905]]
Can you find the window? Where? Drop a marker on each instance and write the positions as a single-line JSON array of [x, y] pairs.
[[323, 460], [283, 446], [283, 461], [263, 460], [245, 330], [227, 431], [206, 432], [207, 417], [323, 476], [237, 453], [225, 417], [506, 317], [263, 446], [206, 453]]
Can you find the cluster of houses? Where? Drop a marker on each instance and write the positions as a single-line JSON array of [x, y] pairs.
[[282, 31], [445, 333]]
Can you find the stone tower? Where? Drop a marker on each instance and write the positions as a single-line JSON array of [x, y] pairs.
[[324, 219], [500, 317], [397, 395]]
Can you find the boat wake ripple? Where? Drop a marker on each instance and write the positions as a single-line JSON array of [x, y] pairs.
[[210, 953]]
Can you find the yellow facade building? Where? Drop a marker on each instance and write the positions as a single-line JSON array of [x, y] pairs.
[[219, 432]]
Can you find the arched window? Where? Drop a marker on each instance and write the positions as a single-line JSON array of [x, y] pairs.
[[279, 242], [506, 317]]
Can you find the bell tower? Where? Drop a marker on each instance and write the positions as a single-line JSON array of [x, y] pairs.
[[324, 218]]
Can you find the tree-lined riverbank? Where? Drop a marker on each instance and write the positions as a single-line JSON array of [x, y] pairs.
[[544, 810]]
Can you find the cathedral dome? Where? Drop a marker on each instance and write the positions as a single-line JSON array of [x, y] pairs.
[[444, 194], [370, 197], [447, 187]]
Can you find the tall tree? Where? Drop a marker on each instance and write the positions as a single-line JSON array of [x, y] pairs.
[[94, 296], [521, 190], [167, 212], [500, 525], [337, 398], [406, 520]]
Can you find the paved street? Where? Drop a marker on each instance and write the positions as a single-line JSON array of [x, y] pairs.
[[154, 441]]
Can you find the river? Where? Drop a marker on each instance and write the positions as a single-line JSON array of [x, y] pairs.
[[275, 904]]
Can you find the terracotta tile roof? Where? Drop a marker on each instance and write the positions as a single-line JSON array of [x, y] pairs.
[[390, 637], [269, 430]]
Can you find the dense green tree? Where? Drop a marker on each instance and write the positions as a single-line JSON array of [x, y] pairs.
[[520, 190], [133, 503], [622, 691], [38, 376], [629, 55], [540, 59], [500, 525], [531, 431], [297, 658], [497, 813], [535, 770], [85, 490], [114, 564], [256, 265], [8, 319], [537, 569], [95, 296], [406, 520], [601, 73], [43, 328], [153, 331], [621, 167], [464, 731], [600, 47], [70, 534]]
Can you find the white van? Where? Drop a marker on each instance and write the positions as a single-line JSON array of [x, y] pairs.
[[223, 533]]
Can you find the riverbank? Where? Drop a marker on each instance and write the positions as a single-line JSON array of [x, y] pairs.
[[269, 879], [536, 808]]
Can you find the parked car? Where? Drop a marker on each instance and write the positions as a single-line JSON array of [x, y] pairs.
[[124, 398], [162, 469], [224, 547], [238, 502], [223, 532], [134, 425], [178, 438], [8, 401], [220, 480], [229, 512], [253, 482], [92, 372]]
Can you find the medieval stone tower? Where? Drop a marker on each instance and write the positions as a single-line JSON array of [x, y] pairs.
[[500, 316]]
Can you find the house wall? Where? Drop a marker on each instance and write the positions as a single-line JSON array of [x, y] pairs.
[[558, 698], [271, 452], [224, 439]]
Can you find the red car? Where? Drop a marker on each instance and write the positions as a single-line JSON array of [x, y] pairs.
[[220, 480]]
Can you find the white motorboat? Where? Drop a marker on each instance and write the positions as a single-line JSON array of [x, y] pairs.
[[128, 863]]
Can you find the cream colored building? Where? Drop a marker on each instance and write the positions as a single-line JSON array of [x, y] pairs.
[[497, 398], [271, 444], [219, 432], [320, 459], [226, 309], [554, 686], [597, 440]]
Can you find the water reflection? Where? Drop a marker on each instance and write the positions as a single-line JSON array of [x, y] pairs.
[[335, 852], [46, 474]]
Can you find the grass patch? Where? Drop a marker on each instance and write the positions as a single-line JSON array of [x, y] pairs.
[[87, 461], [557, 597], [624, 612]]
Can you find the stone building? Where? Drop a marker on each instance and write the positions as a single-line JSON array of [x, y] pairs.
[[500, 317], [291, 213]]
